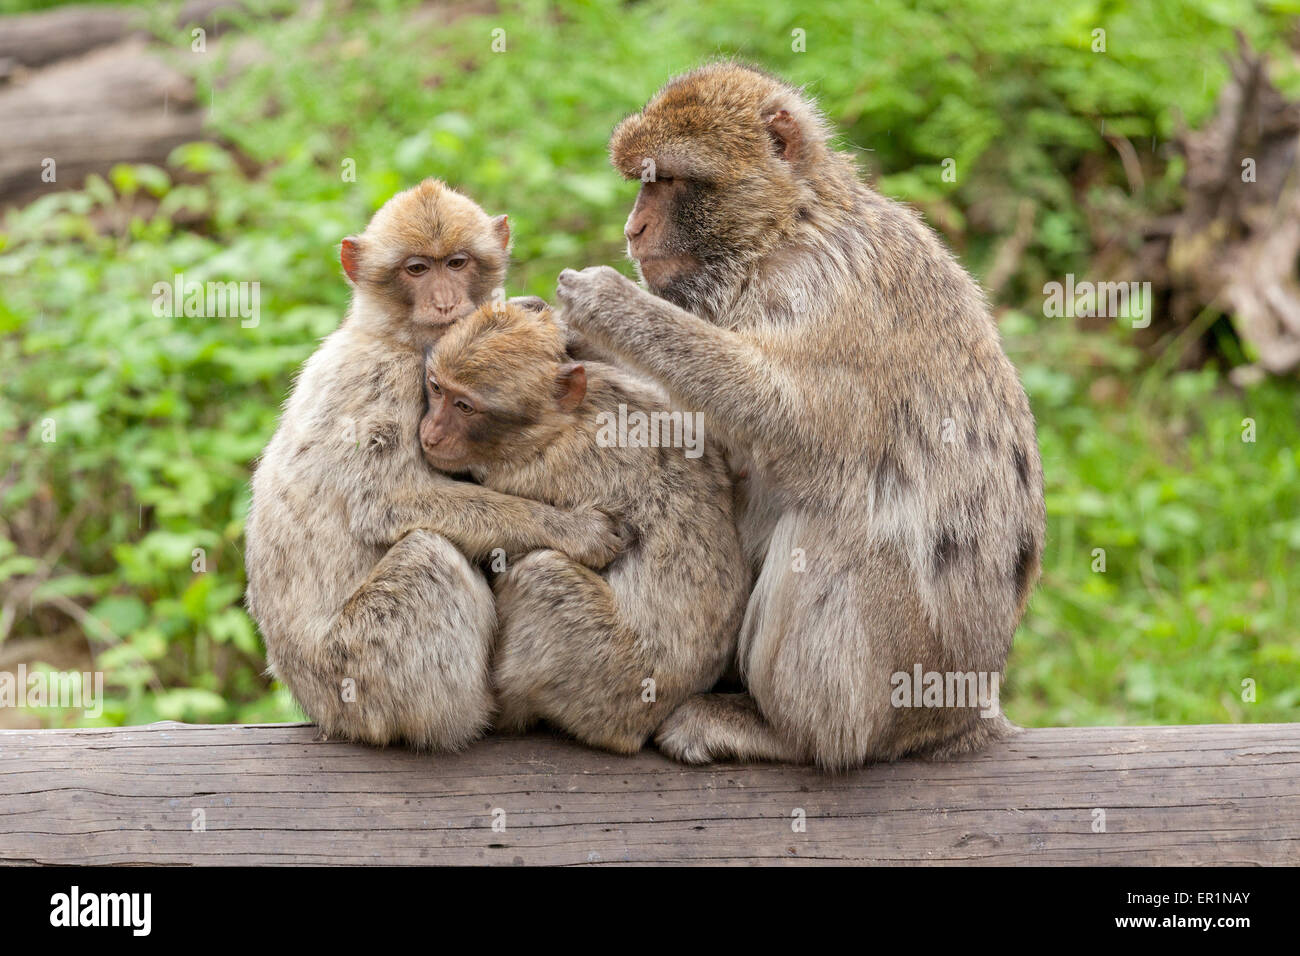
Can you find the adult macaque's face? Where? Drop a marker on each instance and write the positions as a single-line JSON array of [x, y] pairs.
[[657, 234]]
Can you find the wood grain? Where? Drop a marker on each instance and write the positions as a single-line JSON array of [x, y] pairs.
[[272, 794]]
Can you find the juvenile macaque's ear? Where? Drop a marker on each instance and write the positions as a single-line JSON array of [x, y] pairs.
[[787, 137], [350, 256], [502, 225], [571, 386]]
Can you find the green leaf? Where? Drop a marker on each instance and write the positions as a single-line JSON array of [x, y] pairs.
[[122, 614]]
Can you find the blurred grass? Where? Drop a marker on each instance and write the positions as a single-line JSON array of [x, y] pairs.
[[159, 419]]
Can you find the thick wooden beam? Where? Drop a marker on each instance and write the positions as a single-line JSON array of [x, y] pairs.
[[179, 794]]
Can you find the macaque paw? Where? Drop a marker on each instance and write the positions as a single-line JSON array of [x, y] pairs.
[[595, 298], [598, 538], [680, 738]]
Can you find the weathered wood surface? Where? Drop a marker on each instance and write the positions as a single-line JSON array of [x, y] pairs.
[[273, 794]]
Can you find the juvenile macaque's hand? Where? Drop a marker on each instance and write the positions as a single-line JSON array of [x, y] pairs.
[[594, 539], [597, 298], [533, 303]]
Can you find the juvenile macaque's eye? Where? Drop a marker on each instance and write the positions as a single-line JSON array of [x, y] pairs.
[[663, 179], [456, 263], [415, 267], [433, 387], [464, 406]]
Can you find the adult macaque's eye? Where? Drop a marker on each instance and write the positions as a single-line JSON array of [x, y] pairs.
[[456, 263], [663, 179], [433, 386], [464, 406], [415, 267]]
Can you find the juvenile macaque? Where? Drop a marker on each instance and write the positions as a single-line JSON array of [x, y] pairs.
[[607, 656], [892, 492], [377, 623]]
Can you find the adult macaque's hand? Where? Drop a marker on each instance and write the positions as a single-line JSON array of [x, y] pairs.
[[598, 299]]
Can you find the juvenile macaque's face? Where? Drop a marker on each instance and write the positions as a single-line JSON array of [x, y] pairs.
[[435, 291], [457, 423], [427, 259], [496, 390], [440, 291]]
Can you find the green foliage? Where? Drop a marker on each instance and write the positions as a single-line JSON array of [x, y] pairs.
[[159, 417], [29, 6], [1198, 516]]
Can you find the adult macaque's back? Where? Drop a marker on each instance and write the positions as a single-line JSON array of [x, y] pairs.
[[890, 478]]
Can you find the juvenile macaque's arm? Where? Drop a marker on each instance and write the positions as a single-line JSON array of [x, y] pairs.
[[478, 520]]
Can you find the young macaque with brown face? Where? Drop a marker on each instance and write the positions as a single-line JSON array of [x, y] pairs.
[[360, 558], [606, 657]]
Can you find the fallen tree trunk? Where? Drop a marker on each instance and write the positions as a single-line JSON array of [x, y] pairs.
[[178, 794], [87, 88], [1234, 246], [37, 39], [115, 105]]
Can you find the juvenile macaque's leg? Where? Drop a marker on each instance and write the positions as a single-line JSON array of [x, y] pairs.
[[565, 656], [709, 727], [415, 641]]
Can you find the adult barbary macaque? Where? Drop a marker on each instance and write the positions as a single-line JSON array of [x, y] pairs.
[[891, 492], [381, 627], [606, 656]]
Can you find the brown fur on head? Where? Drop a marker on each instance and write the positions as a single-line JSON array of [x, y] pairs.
[[498, 343], [498, 386], [727, 156], [428, 257]]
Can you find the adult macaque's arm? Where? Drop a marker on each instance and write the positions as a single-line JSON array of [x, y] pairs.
[[707, 368]]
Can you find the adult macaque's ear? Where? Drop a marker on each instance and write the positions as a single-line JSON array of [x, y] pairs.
[[787, 137], [502, 225], [571, 386], [350, 256]]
